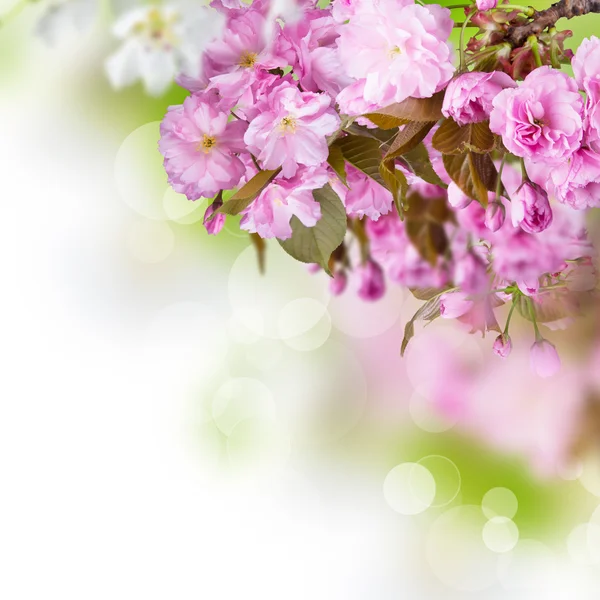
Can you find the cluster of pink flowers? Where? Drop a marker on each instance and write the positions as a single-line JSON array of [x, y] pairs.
[[280, 89]]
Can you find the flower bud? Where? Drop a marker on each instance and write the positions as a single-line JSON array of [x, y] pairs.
[[372, 281], [214, 225], [486, 4], [456, 197], [469, 97], [495, 214], [338, 283], [545, 361], [502, 345], [530, 208], [454, 305]]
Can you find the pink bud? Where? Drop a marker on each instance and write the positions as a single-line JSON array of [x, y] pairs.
[[313, 268], [456, 197], [486, 4], [502, 345], [372, 281], [454, 305], [545, 361], [214, 225], [530, 208], [495, 214], [338, 283]]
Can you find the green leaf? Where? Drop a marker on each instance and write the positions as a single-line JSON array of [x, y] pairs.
[[475, 174], [412, 109], [427, 293], [363, 153], [451, 138], [337, 162], [408, 138], [248, 193], [428, 312], [425, 220], [316, 244], [396, 182], [417, 160]]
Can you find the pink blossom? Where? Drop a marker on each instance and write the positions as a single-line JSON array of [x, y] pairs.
[[292, 129], [399, 258], [470, 274], [545, 361], [454, 305], [486, 4], [214, 225], [456, 197], [575, 182], [530, 208], [200, 147], [338, 283], [587, 74], [270, 214], [541, 119], [468, 97], [399, 48], [364, 196], [372, 281], [495, 213], [502, 345]]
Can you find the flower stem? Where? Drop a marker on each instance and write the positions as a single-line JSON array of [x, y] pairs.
[[462, 39], [510, 313], [538, 336], [533, 42], [526, 10]]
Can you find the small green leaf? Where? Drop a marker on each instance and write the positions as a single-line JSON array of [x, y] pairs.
[[316, 244], [412, 109], [364, 154], [417, 160], [396, 182], [475, 174], [337, 162], [408, 138], [425, 220], [248, 193], [451, 138], [260, 246], [428, 312]]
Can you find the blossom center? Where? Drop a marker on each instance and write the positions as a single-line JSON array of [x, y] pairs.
[[288, 124], [248, 60], [395, 51], [208, 142]]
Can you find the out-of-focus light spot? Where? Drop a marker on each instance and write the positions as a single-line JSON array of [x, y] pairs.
[[425, 415], [500, 502], [456, 551], [240, 399], [139, 174], [409, 488], [259, 444], [374, 318], [304, 324], [181, 210], [583, 544], [529, 566], [447, 478], [265, 354], [590, 474], [500, 534], [260, 299], [240, 332], [151, 241]]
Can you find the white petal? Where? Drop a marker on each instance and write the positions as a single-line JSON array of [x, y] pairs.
[[123, 67]]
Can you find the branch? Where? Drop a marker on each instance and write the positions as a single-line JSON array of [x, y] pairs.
[[547, 18]]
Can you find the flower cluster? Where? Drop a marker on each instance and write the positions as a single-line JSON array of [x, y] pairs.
[[349, 134]]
